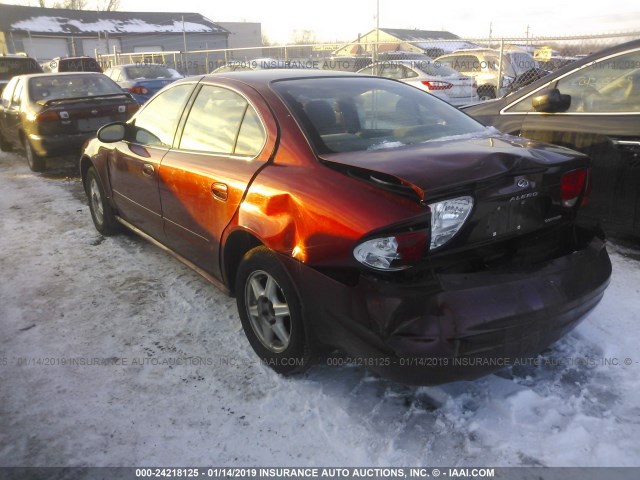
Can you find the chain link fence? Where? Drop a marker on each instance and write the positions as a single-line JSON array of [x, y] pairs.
[[496, 65]]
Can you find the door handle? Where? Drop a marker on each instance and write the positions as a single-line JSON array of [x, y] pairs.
[[147, 169], [220, 191]]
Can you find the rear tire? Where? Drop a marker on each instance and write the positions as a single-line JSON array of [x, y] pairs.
[[271, 312], [35, 161], [102, 214]]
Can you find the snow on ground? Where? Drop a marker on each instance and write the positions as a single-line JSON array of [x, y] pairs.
[[69, 294]]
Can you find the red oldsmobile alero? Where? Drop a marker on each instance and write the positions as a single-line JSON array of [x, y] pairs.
[[358, 213]]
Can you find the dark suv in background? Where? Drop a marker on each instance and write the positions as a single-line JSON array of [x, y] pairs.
[[12, 65], [72, 64]]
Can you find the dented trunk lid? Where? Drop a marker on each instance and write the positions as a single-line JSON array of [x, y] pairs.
[[515, 183]]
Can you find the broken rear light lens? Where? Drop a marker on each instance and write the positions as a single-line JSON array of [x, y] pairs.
[[573, 183], [394, 252], [447, 217]]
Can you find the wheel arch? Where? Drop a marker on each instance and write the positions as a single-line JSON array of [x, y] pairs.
[[237, 244]]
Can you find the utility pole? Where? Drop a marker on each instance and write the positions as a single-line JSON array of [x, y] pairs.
[[184, 41], [375, 51]]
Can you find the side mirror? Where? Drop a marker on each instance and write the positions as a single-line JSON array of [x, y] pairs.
[[112, 132], [551, 101]]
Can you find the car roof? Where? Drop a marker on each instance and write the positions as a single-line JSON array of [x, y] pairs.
[[404, 61], [60, 74], [139, 65], [264, 76]]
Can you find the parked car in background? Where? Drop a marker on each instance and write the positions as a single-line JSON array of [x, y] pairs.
[[400, 55], [437, 79], [591, 105], [554, 63], [265, 64], [344, 63], [12, 65], [48, 115], [142, 80], [426, 245], [72, 64], [484, 66]]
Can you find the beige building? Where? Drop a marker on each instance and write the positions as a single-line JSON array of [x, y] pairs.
[[432, 43]]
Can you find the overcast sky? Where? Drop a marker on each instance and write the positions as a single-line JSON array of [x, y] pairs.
[[343, 19]]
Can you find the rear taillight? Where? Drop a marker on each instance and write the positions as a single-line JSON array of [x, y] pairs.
[[132, 107], [47, 116], [394, 252], [573, 184], [139, 90], [437, 85]]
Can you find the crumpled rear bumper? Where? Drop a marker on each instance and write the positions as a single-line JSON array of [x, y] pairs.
[[454, 326]]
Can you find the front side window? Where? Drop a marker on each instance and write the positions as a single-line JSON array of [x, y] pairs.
[[157, 122], [222, 122], [353, 114], [611, 85]]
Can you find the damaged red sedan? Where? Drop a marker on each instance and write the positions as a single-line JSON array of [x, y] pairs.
[[357, 213]]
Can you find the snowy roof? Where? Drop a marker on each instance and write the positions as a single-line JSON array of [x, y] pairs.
[[63, 21], [449, 46], [408, 35]]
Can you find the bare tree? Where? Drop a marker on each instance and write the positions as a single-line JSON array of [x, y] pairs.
[[108, 5], [102, 5], [74, 4], [304, 37]]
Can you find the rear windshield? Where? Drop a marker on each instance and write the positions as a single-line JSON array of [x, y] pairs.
[[10, 67], [149, 72], [352, 114], [470, 63], [436, 69], [71, 86]]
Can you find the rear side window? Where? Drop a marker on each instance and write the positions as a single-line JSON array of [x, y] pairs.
[[222, 122]]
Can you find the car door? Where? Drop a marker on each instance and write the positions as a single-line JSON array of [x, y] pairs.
[[223, 144], [602, 121], [11, 113], [134, 164], [5, 102]]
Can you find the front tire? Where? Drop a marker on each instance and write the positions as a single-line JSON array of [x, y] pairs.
[[102, 214], [271, 312], [35, 161]]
